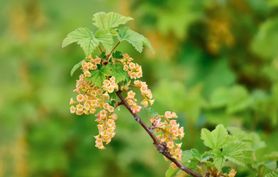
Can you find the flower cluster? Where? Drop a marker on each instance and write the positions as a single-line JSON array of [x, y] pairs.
[[145, 92], [133, 70], [88, 98], [90, 65], [106, 125], [169, 132], [132, 102], [110, 85]]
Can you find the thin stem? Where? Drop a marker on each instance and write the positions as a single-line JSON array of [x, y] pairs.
[[161, 147], [108, 56], [100, 50], [119, 103]]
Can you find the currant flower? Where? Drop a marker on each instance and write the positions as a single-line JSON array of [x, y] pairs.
[[106, 126], [110, 85], [169, 132], [132, 102], [146, 93], [133, 70]]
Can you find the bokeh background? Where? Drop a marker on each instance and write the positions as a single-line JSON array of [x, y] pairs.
[[216, 61]]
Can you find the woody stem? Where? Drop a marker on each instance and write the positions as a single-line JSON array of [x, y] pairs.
[[161, 147]]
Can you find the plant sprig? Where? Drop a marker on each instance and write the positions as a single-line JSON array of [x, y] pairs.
[[111, 78]]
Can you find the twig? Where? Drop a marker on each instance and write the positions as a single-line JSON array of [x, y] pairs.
[[99, 48], [161, 147], [119, 103], [108, 56]]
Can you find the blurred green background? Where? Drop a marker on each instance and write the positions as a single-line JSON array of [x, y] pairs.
[[216, 61]]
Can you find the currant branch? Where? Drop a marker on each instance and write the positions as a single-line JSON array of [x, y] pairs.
[[105, 77], [110, 78], [161, 147]]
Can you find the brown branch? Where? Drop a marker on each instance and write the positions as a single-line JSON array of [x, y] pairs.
[[161, 147], [119, 103]]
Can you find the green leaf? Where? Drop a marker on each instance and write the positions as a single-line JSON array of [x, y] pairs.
[[215, 139], [251, 139], [135, 39], [237, 152], [196, 154], [117, 54], [218, 162], [187, 156], [75, 67], [119, 74], [83, 37], [171, 172], [109, 20], [106, 39], [239, 99], [235, 99], [97, 78], [107, 70], [219, 97], [191, 158], [272, 174], [117, 71], [175, 18], [113, 96], [266, 41]]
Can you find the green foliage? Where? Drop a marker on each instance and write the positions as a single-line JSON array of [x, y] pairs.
[[98, 76], [171, 172], [109, 25], [105, 38], [175, 17], [266, 40], [107, 21], [83, 37], [118, 72], [272, 174], [215, 139], [135, 39], [235, 99], [75, 67], [226, 146]]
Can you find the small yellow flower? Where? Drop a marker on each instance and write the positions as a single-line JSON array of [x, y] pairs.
[[71, 102], [80, 98], [72, 109], [87, 74]]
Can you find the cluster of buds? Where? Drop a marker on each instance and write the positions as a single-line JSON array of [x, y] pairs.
[[110, 85], [145, 92], [132, 102], [88, 98], [90, 65], [133, 70], [169, 132], [106, 125]]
